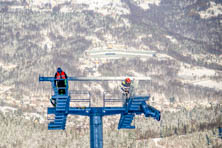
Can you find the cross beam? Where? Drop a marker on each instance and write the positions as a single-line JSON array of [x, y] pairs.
[[95, 78], [134, 105]]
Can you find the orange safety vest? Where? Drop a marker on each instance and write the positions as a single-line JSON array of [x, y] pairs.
[[60, 76]]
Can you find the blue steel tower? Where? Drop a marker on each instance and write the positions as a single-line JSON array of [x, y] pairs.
[[134, 105]]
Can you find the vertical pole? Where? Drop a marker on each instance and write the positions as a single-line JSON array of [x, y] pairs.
[[67, 87], [96, 131]]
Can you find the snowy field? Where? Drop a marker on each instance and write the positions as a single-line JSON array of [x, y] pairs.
[[213, 11], [199, 76], [105, 7], [145, 3]]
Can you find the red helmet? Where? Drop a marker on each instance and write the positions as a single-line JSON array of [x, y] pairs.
[[127, 80]]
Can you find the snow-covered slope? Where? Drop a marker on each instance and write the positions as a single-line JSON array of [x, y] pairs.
[[37, 36], [213, 11]]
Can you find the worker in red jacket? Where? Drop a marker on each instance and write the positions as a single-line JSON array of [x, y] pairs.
[[61, 83], [60, 80]]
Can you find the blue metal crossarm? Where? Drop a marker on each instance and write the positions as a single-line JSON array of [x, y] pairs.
[[113, 110], [79, 111], [150, 111], [84, 78], [95, 78], [87, 111], [46, 78], [102, 111], [133, 106], [72, 110]]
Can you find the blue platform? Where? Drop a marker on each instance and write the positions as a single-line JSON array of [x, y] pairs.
[[132, 106]]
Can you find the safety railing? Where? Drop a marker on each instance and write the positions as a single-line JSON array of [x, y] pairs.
[[109, 100], [81, 92]]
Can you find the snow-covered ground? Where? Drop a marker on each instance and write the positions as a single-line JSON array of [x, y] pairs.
[[7, 66], [86, 63], [106, 7], [163, 56], [209, 83], [136, 73], [5, 109], [145, 3], [46, 40], [35, 117], [40, 3], [4, 88], [199, 76], [186, 71], [213, 11], [156, 141], [172, 39]]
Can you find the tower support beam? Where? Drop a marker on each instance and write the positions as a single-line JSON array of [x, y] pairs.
[[96, 131]]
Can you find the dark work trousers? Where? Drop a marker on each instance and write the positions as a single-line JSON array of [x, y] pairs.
[[61, 83]]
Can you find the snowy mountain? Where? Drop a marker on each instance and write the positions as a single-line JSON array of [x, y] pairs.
[[183, 39]]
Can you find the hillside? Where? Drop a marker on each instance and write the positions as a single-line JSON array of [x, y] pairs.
[[38, 36]]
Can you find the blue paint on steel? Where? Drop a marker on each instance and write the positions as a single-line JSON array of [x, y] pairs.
[[96, 131], [150, 111], [220, 132], [61, 111], [126, 120], [134, 105]]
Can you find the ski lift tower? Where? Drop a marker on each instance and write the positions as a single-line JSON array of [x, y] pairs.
[[134, 105]]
